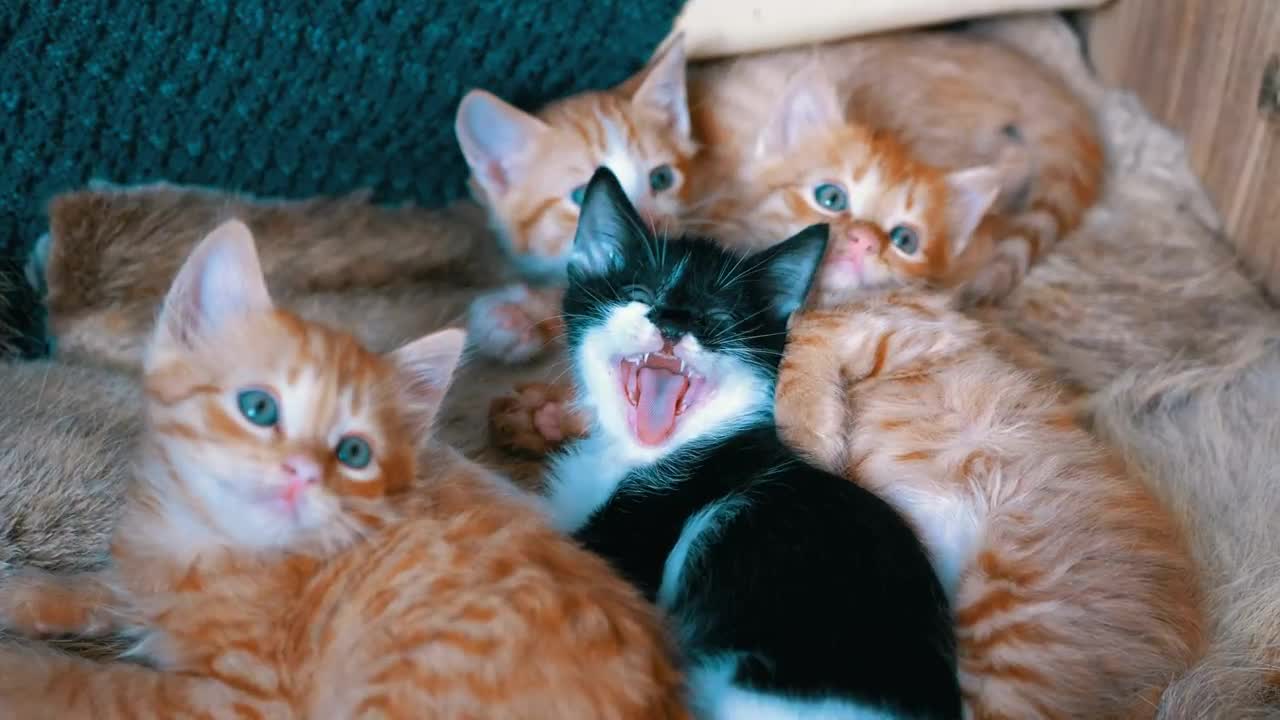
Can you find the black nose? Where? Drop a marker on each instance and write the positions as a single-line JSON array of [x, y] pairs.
[[672, 323]]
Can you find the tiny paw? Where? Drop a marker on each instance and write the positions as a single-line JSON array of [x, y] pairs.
[[992, 285], [536, 420], [510, 325]]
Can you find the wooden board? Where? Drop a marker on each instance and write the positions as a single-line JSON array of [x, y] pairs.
[[714, 28], [1211, 70]]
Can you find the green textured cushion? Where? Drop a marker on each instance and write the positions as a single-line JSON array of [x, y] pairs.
[[282, 98]]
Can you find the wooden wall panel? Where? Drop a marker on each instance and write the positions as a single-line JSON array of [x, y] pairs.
[[1211, 70]]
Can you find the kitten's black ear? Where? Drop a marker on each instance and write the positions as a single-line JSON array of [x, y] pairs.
[[606, 223], [787, 269]]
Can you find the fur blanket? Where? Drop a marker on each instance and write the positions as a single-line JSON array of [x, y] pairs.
[[1145, 308]]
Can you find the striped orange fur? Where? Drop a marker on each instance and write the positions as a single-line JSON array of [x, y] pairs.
[[779, 124], [274, 574], [527, 169], [1074, 591]]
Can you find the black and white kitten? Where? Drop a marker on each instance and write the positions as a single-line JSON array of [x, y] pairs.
[[794, 592]]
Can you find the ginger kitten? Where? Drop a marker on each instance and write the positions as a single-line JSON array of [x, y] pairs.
[[1074, 591], [280, 557], [794, 593], [529, 172], [918, 148]]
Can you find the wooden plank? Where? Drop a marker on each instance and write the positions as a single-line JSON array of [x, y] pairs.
[[1211, 70], [715, 28]]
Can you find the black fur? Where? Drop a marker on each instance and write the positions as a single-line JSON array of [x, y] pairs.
[[817, 586]]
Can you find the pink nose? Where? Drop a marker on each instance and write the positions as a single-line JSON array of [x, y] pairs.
[[862, 240], [299, 472], [859, 242]]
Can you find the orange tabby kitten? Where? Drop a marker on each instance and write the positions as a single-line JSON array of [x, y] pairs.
[[1074, 591], [282, 562], [904, 143], [529, 173]]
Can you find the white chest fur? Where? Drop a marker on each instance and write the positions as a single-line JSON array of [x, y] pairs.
[[948, 525], [581, 480]]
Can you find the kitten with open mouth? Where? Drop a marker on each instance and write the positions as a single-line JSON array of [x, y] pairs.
[[793, 592]]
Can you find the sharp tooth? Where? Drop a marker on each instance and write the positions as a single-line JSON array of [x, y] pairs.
[[681, 366], [635, 387]]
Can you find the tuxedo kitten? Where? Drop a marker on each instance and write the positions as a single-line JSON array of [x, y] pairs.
[[794, 592]]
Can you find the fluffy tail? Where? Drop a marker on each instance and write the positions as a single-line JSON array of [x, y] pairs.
[[1211, 442], [112, 246]]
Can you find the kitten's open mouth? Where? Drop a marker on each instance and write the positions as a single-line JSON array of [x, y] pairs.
[[660, 387]]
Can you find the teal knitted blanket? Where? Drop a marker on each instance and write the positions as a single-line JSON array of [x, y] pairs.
[[284, 98]]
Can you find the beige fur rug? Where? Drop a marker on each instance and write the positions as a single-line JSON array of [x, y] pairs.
[[1145, 307]]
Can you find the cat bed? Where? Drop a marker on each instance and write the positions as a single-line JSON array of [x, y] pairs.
[[1144, 307]]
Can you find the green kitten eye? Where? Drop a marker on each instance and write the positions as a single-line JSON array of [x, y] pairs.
[[661, 178], [905, 239], [354, 452], [577, 194], [258, 407], [831, 196]]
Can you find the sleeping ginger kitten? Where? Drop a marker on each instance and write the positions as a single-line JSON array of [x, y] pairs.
[[530, 172], [281, 560], [1074, 592]]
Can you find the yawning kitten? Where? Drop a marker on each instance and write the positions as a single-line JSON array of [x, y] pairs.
[[530, 172], [794, 592]]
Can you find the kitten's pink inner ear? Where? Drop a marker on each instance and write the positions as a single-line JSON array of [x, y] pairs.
[[808, 106], [496, 139], [663, 89], [428, 364], [220, 281], [970, 194]]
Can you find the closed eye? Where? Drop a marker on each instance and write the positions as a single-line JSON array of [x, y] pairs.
[[719, 319], [638, 293]]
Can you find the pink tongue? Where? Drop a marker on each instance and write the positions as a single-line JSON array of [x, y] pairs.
[[660, 392]]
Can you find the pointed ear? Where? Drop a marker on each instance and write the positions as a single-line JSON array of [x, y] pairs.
[[970, 193], [808, 105], [663, 89], [787, 269], [220, 282], [426, 366], [606, 223], [495, 138]]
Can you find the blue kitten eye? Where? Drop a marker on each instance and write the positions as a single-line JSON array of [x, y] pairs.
[[258, 407], [354, 452], [661, 178], [577, 194], [905, 239], [831, 197]]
